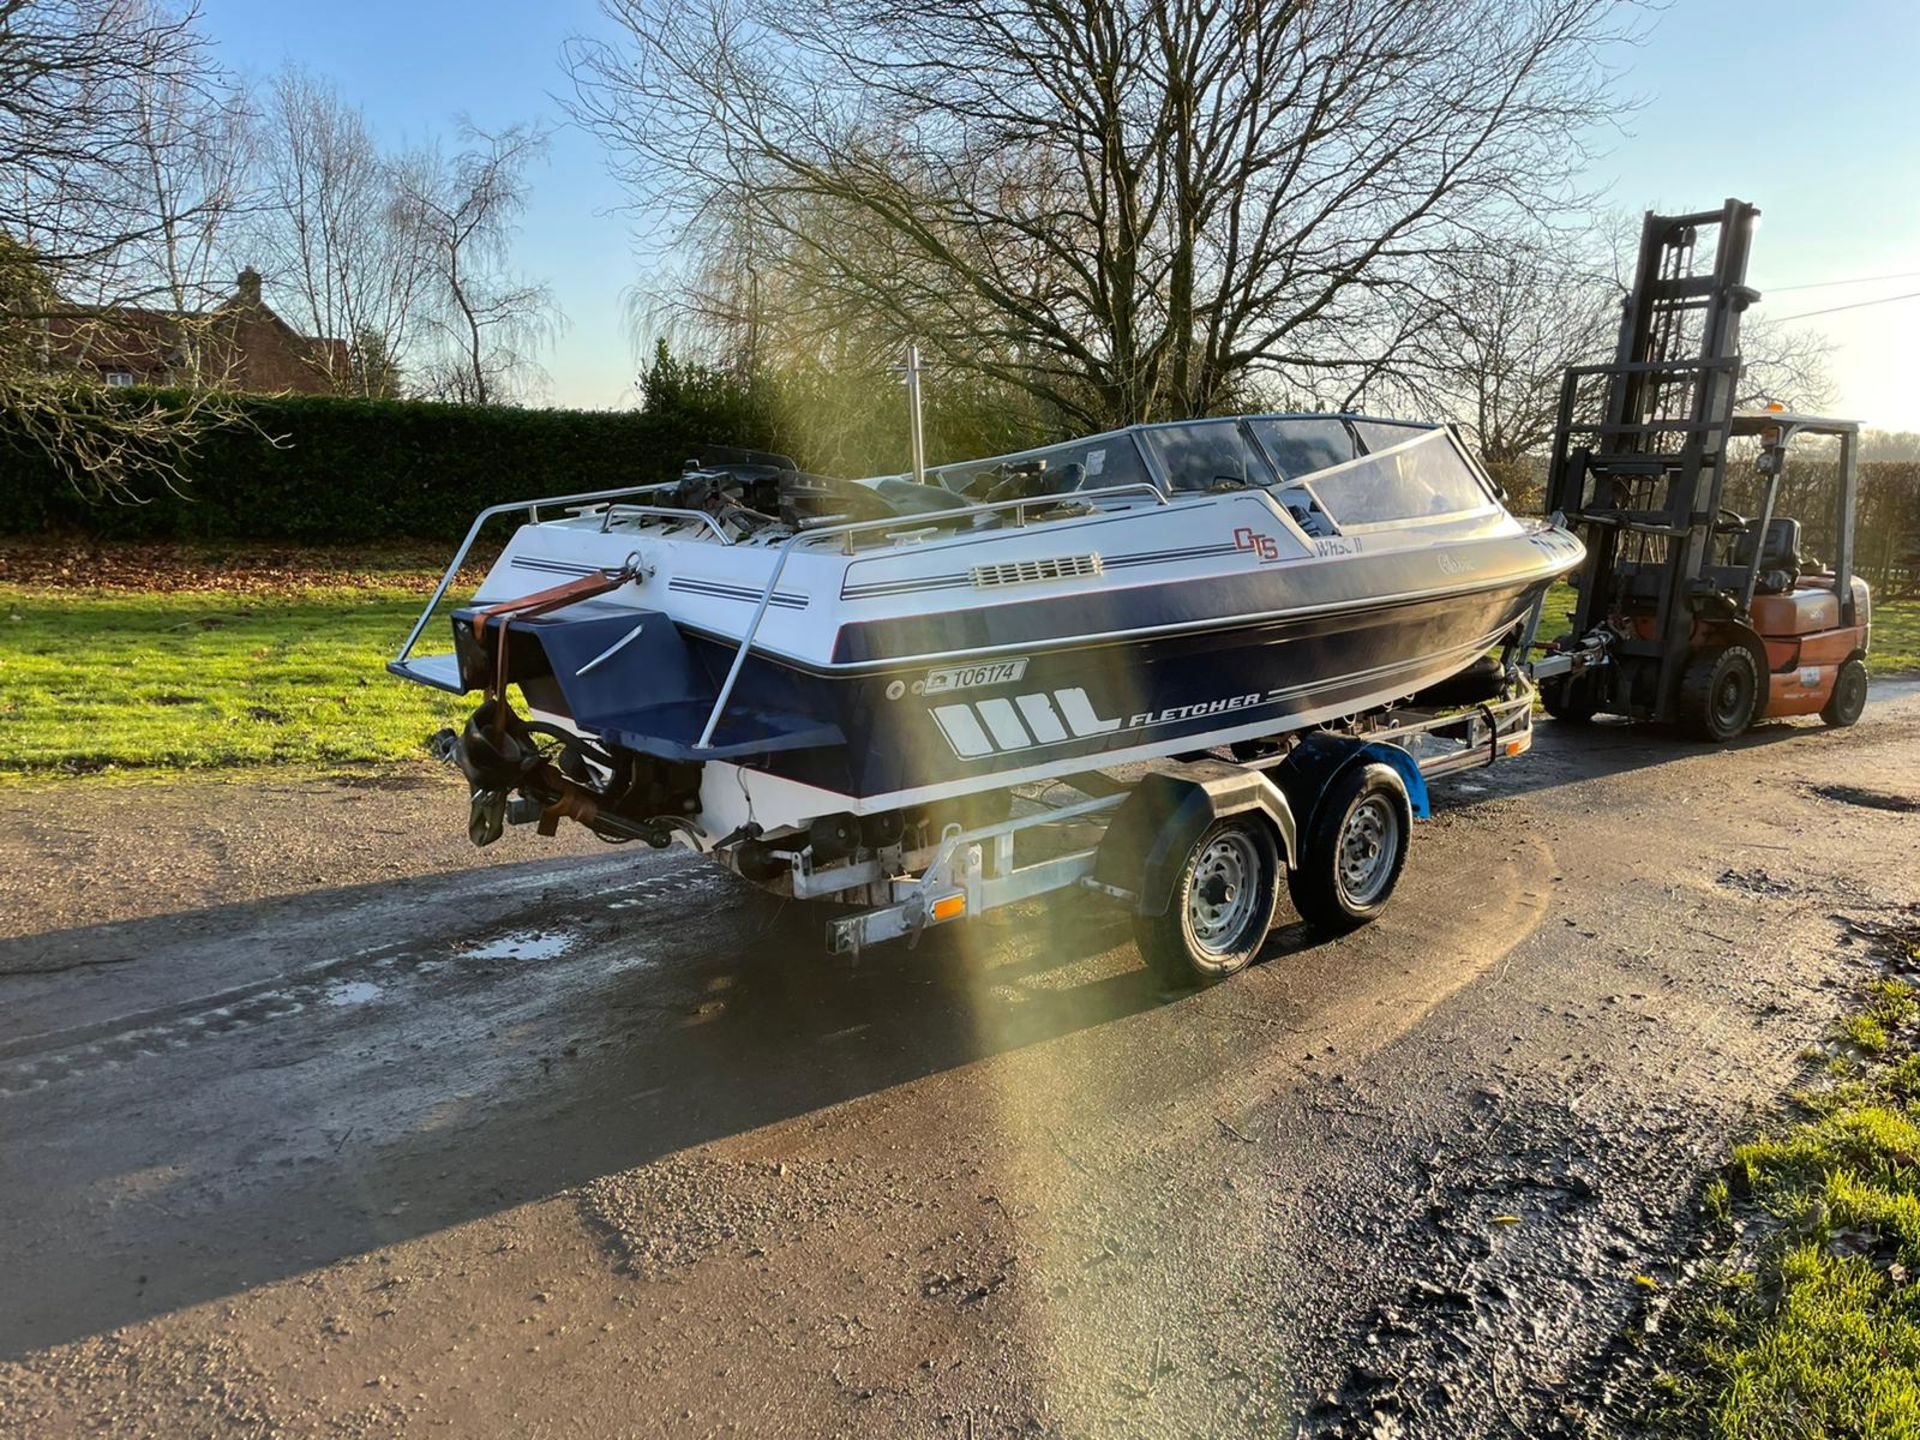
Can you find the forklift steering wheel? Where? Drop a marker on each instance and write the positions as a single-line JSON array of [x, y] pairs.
[[1732, 522]]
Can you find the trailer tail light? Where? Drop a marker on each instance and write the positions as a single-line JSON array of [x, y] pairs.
[[949, 907]]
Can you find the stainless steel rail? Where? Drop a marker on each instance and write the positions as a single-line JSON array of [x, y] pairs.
[[532, 507], [898, 523], [1137, 489]]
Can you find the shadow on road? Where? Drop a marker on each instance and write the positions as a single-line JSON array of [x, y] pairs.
[[217, 1149], [1566, 753], [400, 1062]]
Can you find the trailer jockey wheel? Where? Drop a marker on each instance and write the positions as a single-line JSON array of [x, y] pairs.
[[1221, 908], [1353, 852], [1849, 696], [1717, 693]]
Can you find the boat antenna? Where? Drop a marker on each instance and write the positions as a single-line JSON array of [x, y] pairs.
[[916, 440]]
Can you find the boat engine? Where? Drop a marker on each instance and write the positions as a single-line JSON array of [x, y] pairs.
[[528, 769]]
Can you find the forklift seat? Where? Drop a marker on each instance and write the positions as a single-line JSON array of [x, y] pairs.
[[1780, 562]]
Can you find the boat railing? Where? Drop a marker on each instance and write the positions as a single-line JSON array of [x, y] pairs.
[[843, 530], [848, 529], [532, 507]]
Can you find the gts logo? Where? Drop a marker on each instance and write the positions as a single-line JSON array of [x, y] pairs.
[[1028, 722]]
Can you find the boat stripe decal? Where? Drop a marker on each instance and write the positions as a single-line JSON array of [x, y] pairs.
[[1004, 722], [876, 589], [1084, 617], [785, 600], [1157, 557], [1081, 715], [1045, 725], [553, 567], [1310, 619], [719, 590], [963, 730]]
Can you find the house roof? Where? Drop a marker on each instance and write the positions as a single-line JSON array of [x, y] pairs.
[[243, 337]]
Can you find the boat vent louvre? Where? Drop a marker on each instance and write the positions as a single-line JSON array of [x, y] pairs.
[[1029, 572]]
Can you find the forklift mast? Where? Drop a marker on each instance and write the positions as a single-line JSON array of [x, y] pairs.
[[1640, 451]]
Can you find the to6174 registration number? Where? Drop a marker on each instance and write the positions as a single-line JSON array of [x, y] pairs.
[[972, 677]]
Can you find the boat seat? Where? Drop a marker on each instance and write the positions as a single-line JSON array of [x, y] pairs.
[[1036, 484], [1305, 510], [910, 498]]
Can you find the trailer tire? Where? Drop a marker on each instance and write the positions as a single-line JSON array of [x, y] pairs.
[[1222, 905], [1719, 693], [1354, 849], [1849, 696]]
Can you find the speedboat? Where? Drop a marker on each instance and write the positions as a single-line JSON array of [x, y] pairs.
[[753, 651]]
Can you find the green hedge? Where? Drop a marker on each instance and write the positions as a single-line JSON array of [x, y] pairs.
[[346, 471]]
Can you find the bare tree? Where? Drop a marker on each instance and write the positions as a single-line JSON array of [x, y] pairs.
[[1129, 209], [73, 77], [1499, 328], [334, 231], [75, 247], [486, 322], [195, 150], [1784, 365], [1495, 333]]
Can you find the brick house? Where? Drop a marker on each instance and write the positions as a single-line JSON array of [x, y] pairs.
[[240, 344]]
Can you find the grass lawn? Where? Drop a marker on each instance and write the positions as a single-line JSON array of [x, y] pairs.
[[127, 680], [1896, 638], [1809, 1324]]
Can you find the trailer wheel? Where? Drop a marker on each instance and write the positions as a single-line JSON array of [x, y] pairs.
[[1354, 850], [1849, 696], [1718, 692], [1221, 908]]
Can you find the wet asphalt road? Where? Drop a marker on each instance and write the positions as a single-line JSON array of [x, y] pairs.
[[364, 1136]]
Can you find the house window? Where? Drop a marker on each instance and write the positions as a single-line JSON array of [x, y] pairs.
[[119, 379]]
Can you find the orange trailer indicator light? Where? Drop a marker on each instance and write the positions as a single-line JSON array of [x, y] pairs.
[[949, 907]]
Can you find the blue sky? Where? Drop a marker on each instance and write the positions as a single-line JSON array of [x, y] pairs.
[[1809, 110]]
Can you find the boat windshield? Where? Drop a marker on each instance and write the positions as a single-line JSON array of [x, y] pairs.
[[1089, 464], [1204, 455], [1331, 472], [1417, 479], [1300, 445]]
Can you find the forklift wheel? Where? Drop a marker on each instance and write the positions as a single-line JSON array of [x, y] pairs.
[[1849, 696], [1219, 914], [1718, 692], [1353, 852]]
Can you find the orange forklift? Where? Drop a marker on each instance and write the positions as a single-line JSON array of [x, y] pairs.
[[1689, 613]]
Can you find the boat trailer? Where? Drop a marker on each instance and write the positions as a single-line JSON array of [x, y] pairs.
[[1196, 846]]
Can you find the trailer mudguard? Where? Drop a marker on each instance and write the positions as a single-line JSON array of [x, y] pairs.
[[1156, 826], [1313, 765]]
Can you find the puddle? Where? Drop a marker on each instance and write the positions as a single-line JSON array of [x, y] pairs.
[[353, 992], [522, 945]]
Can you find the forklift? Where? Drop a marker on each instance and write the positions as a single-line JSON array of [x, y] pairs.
[[1687, 612]]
